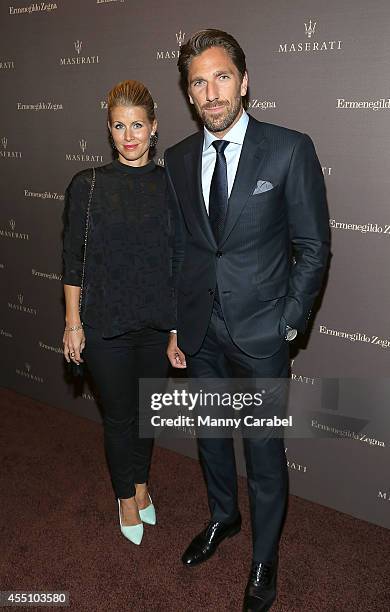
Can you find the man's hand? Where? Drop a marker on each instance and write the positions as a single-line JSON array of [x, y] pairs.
[[176, 357]]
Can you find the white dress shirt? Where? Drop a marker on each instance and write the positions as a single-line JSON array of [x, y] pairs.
[[235, 136]]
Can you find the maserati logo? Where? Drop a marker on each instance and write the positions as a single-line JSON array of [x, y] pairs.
[[26, 373], [6, 233], [20, 306], [180, 36], [293, 465], [384, 495], [84, 157], [8, 65], [310, 28], [79, 58], [77, 45], [168, 54], [310, 44], [5, 153]]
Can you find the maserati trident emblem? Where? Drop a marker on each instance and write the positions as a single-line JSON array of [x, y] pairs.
[[77, 45], [4, 142], [28, 367], [20, 298], [180, 36], [83, 145], [12, 224], [310, 28]]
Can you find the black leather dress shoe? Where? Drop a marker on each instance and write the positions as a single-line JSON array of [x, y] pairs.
[[260, 591], [206, 542]]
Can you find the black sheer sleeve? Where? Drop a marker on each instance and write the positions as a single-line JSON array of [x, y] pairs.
[[76, 202], [177, 232]]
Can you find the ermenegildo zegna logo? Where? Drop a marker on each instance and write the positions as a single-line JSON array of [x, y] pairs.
[[44, 195], [83, 156], [374, 105], [46, 275], [12, 232], [354, 336], [39, 106], [79, 58], [171, 54], [35, 7], [104, 106], [310, 44], [5, 152], [362, 228], [255, 103], [343, 433], [49, 347]]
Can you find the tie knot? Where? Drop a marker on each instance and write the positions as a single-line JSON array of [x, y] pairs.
[[220, 145]]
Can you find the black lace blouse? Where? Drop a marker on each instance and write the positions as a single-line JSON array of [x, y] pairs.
[[128, 281]]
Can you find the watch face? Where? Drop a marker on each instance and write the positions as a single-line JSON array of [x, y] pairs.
[[291, 334]]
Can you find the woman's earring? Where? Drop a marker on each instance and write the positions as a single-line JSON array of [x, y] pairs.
[[153, 140]]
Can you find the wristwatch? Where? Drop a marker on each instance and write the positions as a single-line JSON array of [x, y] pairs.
[[290, 333]]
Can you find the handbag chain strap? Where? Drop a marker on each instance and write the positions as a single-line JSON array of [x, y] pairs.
[[86, 235]]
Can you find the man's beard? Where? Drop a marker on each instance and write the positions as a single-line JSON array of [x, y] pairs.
[[223, 120]]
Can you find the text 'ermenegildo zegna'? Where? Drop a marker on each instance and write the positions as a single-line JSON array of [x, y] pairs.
[[35, 7], [375, 105], [355, 336], [363, 228]]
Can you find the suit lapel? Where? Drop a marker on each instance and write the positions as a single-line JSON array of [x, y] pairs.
[[193, 166], [252, 156]]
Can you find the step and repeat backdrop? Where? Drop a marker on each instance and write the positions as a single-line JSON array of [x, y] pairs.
[[320, 68]]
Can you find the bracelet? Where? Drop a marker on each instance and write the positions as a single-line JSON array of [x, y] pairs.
[[74, 328]]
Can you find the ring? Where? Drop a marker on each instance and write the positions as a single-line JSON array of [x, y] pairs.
[[72, 354]]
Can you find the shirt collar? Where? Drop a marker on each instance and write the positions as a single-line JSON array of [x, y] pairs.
[[236, 134]]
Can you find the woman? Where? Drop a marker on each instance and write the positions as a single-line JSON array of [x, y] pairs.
[[127, 302]]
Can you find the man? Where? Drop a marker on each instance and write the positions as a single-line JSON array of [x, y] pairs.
[[253, 204]]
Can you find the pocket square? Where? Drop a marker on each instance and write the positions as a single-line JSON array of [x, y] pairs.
[[262, 186]]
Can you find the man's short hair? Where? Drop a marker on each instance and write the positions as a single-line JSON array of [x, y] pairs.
[[205, 39]]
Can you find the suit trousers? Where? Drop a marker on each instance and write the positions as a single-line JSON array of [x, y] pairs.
[[116, 364], [266, 465]]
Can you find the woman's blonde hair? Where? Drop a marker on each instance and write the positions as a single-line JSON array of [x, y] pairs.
[[131, 93]]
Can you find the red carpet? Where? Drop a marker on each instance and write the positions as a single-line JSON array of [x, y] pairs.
[[59, 531]]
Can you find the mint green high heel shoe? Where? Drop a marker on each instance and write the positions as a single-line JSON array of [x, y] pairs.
[[133, 533], [148, 514]]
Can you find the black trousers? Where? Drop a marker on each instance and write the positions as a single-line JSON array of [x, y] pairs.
[[265, 457], [115, 365]]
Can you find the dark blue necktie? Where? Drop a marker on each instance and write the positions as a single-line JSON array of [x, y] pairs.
[[218, 200]]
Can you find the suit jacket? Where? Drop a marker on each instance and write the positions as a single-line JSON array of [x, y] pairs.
[[274, 249]]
